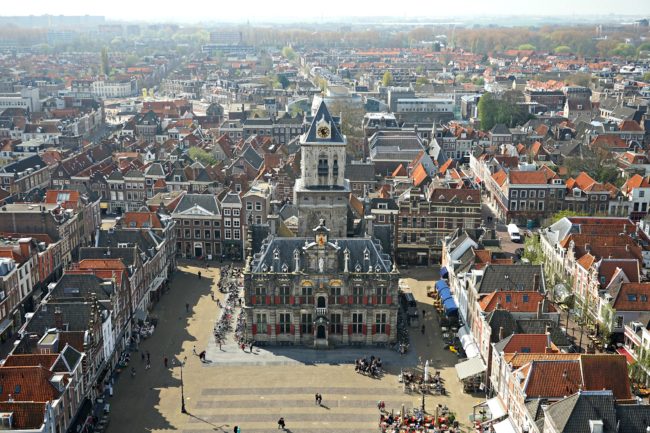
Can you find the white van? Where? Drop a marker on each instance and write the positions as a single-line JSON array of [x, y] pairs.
[[513, 231]]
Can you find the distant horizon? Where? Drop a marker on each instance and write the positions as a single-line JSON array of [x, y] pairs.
[[293, 11]]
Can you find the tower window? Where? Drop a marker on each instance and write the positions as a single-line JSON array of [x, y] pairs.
[[335, 168], [322, 167]]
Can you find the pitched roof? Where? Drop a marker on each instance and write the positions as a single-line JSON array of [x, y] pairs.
[[572, 414], [419, 175], [25, 415], [519, 359], [31, 360], [27, 384], [526, 343], [323, 114], [141, 220], [511, 277], [552, 379], [500, 177], [616, 379], [514, 301], [519, 177], [633, 418], [633, 297]]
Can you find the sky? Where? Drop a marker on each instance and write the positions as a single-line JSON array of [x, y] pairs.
[[288, 10]]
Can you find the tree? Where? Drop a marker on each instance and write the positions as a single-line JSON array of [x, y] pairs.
[[504, 110], [289, 53], [106, 67], [351, 120], [533, 250], [646, 77], [557, 216], [624, 50], [562, 49], [525, 47], [198, 154], [579, 79], [387, 79]]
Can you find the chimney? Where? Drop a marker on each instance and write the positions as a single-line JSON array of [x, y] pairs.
[[540, 309], [548, 339], [501, 333], [536, 282], [58, 319], [596, 426], [24, 247]]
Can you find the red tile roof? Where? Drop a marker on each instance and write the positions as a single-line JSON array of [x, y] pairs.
[[32, 359], [518, 177], [553, 379], [606, 372], [26, 415], [500, 177], [609, 142], [141, 220], [636, 181], [630, 126], [514, 301], [529, 343], [419, 175], [399, 171], [32, 384], [633, 297]]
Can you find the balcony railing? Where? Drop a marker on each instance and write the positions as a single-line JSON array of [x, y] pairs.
[[321, 311]]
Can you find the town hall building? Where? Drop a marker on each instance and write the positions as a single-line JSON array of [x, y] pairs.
[[321, 288]]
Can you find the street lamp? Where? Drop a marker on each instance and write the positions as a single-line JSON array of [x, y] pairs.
[[183, 410]]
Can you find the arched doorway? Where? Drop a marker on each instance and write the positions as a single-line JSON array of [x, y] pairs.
[[320, 332]]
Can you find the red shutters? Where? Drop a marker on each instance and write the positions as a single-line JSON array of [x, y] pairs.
[[254, 329], [268, 299], [387, 329], [268, 329], [292, 329], [277, 300], [341, 299], [389, 300], [364, 329], [301, 300], [350, 329], [277, 329], [350, 300], [374, 300], [365, 300], [252, 299], [291, 300]]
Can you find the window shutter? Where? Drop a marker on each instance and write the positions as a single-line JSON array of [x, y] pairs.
[[254, 329], [252, 299], [374, 299], [350, 329], [292, 329], [277, 329], [341, 299], [365, 300], [389, 300], [350, 300], [388, 329], [364, 329], [277, 300], [268, 329], [291, 300], [268, 299]]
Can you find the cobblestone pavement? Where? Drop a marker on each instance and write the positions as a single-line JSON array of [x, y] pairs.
[[253, 390]]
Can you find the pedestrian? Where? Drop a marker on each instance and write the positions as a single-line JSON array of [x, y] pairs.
[[316, 398], [212, 295], [235, 429], [165, 361], [422, 329], [281, 423], [251, 346], [194, 350], [423, 313], [147, 366], [202, 356], [199, 275], [187, 308], [142, 353], [148, 357], [240, 302], [320, 400]]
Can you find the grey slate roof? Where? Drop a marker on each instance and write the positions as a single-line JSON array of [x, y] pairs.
[[287, 246], [395, 145], [510, 277], [127, 255], [253, 158], [538, 326], [498, 319], [231, 197], [81, 286], [23, 164], [206, 201], [572, 414], [155, 169], [323, 114], [145, 240], [116, 175], [360, 171], [500, 129], [76, 315], [633, 418], [67, 360]]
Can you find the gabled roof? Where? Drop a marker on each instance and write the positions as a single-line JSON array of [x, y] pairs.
[[572, 414], [511, 277], [519, 177], [27, 384], [633, 297], [323, 115], [141, 220], [616, 379], [25, 415], [191, 203], [514, 301]]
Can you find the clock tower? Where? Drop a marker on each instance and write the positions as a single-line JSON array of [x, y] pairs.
[[322, 191]]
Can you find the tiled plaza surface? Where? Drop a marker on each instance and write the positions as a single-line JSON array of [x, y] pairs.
[[253, 390]]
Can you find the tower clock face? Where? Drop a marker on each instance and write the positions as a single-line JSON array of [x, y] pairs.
[[323, 132]]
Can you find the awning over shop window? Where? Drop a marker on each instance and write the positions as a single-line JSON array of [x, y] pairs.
[[441, 284], [469, 368], [444, 295], [444, 273], [504, 426], [496, 408], [450, 307], [467, 341]]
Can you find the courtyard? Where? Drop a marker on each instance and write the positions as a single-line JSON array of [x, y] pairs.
[[253, 390]]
